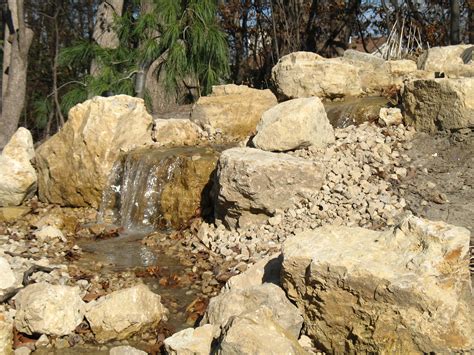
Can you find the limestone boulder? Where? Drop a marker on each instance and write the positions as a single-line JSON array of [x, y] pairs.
[[294, 124], [390, 116], [306, 74], [7, 277], [238, 301], [123, 313], [191, 341], [445, 59], [74, 164], [252, 183], [439, 104], [6, 336], [18, 178], [48, 309], [232, 110], [175, 132], [126, 350], [256, 332], [12, 213], [405, 290]]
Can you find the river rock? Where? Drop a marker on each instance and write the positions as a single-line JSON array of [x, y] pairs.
[[74, 164], [252, 183], [306, 74], [405, 290], [48, 309], [48, 233], [191, 341], [126, 350], [233, 110], [442, 59], [6, 336], [439, 104], [7, 277], [174, 132], [256, 332], [238, 301], [123, 313], [18, 179], [294, 124]]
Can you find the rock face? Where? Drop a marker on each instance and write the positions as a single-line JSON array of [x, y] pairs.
[[48, 309], [17, 175], [439, 104], [294, 124], [232, 110], [406, 290], [306, 74], [74, 164], [123, 313], [6, 336], [238, 301], [442, 59], [256, 332], [175, 132], [252, 183], [191, 341]]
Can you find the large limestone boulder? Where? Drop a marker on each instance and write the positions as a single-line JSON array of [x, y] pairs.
[[74, 164], [17, 175], [406, 290], [233, 110], [439, 104], [306, 74], [443, 59], [238, 301], [48, 309], [123, 313], [6, 336], [294, 124], [191, 341], [256, 332], [175, 132], [252, 183]]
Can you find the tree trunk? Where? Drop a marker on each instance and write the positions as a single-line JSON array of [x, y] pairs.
[[470, 4], [455, 20], [15, 67]]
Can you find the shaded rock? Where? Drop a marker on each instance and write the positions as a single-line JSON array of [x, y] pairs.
[[306, 74], [252, 183], [74, 164], [175, 132], [9, 214], [405, 290], [390, 116], [232, 110], [256, 332], [18, 179], [48, 309], [439, 104], [6, 336], [443, 59], [354, 111], [191, 341], [7, 277], [123, 313], [126, 350], [294, 124], [238, 301]]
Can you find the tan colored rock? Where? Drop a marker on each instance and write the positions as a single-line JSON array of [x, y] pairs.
[[252, 183], [6, 336], [175, 132], [12, 213], [191, 341], [306, 74], [74, 164], [126, 350], [238, 301], [7, 277], [233, 110], [294, 124], [48, 233], [18, 179], [390, 116], [405, 290], [256, 332], [442, 59], [123, 313], [48, 309], [439, 104]]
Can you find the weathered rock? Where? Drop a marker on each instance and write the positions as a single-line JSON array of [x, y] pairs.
[[191, 341], [74, 164], [126, 350], [252, 183], [17, 175], [122, 313], [12, 213], [405, 290], [439, 104], [48, 309], [306, 74], [176, 132], [294, 124], [232, 110], [7, 277], [238, 301], [256, 332], [390, 116], [442, 59], [6, 336], [48, 233]]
